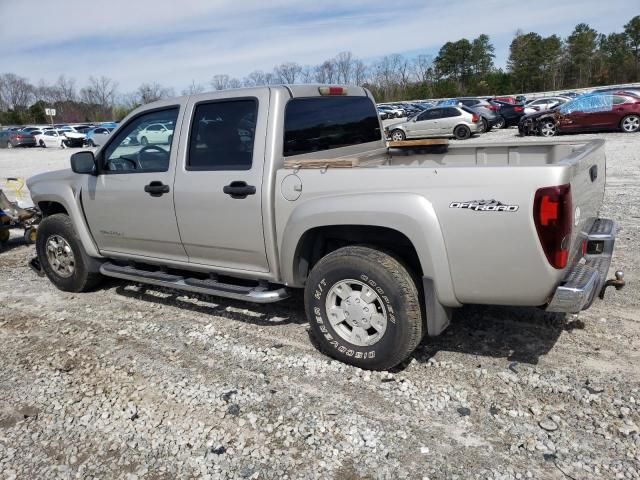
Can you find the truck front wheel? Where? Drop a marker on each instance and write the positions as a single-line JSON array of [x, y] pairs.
[[62, 256], [364, 309]]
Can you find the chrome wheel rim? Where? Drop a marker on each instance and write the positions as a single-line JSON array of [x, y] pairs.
[[356, 312], [631, 124], [60, 256], [396, 136], [548, 129]]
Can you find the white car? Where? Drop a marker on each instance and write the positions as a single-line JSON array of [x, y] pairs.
[[155, 133], [50, 138], [541, 104], [75, 132]]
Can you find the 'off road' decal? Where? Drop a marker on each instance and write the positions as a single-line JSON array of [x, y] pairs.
[[485, 206]]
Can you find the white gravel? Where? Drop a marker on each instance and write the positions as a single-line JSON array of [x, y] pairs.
[[132, 382]]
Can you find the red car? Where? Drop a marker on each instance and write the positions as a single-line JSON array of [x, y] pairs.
[[586, 113]]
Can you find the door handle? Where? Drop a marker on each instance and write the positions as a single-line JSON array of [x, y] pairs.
[[156, 189], [239, 189]]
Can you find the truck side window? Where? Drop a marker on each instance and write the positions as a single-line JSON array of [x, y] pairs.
[[137, 148], [222, 135], [316, 124]]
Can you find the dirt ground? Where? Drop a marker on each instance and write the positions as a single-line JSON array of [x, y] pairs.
[[134, 382]]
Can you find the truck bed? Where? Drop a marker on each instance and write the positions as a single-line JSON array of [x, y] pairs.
[[476, 241]]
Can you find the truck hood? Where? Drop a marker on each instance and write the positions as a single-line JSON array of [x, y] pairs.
[[63, 176]]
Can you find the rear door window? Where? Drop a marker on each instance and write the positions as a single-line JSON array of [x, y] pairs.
[[451, 112], [321, 123], [222, 135]]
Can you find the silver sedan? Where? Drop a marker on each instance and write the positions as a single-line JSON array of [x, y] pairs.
[[450, 121]]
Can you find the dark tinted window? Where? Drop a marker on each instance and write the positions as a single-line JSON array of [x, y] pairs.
[[322, 123], [450, 112], [222, 135], [434, 113]]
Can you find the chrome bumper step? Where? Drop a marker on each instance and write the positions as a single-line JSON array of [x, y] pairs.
[[257, 294], [587, 279]]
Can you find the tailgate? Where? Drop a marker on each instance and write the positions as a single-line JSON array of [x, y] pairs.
[[587, 179]]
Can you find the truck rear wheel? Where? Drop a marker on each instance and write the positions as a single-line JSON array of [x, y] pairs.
[[62, 256], [363, 307]]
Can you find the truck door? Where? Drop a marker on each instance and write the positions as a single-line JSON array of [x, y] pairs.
[[129, 204], [218, 181]]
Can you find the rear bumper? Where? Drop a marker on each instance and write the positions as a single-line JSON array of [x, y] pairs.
[[585, 279]]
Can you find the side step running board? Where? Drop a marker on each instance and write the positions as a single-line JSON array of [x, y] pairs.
[[256, 294]]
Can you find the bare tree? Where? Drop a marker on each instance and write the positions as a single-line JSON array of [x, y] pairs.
[[100, 91], [15, 91], [325, 72], [234, 83], [220, 82], [359, 72], [423, 68], [65, 89], [287, 72], [307, 74], [254, 79], [193, 89], [150, 92], [344, 66]]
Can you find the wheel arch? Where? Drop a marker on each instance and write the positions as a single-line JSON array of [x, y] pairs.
[[403, 223]]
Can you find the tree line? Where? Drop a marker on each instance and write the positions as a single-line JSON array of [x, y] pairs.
[[463, 67]]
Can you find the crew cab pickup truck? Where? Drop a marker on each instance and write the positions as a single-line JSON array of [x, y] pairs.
[[259, 191]]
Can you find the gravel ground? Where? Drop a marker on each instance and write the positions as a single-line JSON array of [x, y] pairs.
[[132, 382]]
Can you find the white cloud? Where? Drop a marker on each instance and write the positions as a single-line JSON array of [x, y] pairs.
[[174, 42]]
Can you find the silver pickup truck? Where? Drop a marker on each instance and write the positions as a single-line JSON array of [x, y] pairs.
[[249, 193]]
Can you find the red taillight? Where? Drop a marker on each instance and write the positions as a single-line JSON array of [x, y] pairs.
[[552, 215], [474, 118], [492, 107], [517, 109], [332, 90]]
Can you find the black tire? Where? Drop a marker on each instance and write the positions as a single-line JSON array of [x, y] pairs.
[[81, 279], [42, 144], [401, 136], [170, 140], [5, 234], [462, 132], [397, 296], [486, 125], [144, 141], [91, 143], [500, 123]]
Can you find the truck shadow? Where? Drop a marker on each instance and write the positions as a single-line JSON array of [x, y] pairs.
[[288, 312], [518, 334]]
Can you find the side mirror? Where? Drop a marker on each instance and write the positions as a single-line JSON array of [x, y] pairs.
[[83, 163]]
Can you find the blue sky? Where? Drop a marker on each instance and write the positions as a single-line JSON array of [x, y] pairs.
[[177, 42]]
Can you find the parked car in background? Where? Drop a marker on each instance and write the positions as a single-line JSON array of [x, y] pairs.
[[392, 111], [13, 138], [97, 136], [452, 121], [158, 133], [384, 114], [544, 103], [508, 114], [29, 129], [54, 138], [487, 111], [511, 100], [585, 113]]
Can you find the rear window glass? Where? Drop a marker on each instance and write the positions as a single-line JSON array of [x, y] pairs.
[[322, 123]]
